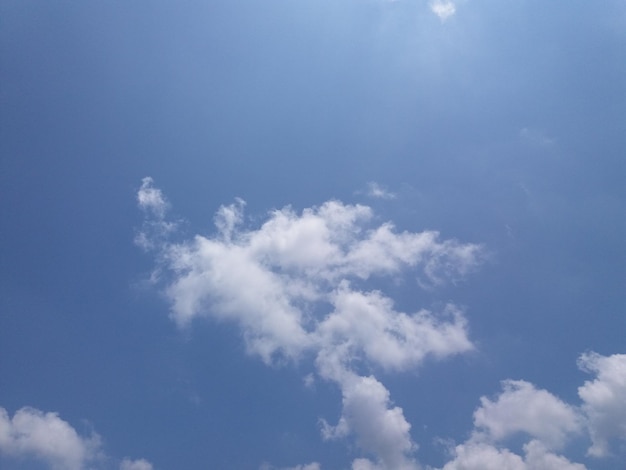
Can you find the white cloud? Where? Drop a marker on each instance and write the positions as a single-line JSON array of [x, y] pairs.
[[523, 408], [141, 464], [475, 455], [539, 458], [380, 427], [229, 217], [482, 456], [367, 324], [269, 280], [376, 191], [34, 434], [151, 199], [550, 422], [310, 466], [443, 8], [290, 286], [155, 229], [295, 285], [604, 400]]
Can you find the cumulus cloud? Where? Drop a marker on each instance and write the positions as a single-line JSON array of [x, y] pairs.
[[548, 421], [44, 436], [270, 280], [538, 457], [483, 456], [519, 408], [604, 400], [297, 284], [444, 9], [523, 408], [300, 284], [366, 324], [380, 427]]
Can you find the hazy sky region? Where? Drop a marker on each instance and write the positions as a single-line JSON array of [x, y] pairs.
[[312, 235]]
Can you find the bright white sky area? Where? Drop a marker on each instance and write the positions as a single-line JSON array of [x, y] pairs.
[[313, 235]]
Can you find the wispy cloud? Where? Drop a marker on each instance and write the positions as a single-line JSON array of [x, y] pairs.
[[295, 285], [376, 191], [444, 9], [151, 199], [141, 464], [45, 437], [155, 228]]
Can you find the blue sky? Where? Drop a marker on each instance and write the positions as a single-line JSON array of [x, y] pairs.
[[313, 235]]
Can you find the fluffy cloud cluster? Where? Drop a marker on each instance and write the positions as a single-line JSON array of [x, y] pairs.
[[47, 437], [380, 427], [298, 284], [519, 409], [34, 434], [295, 285], [522, 409], [483, 456]]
